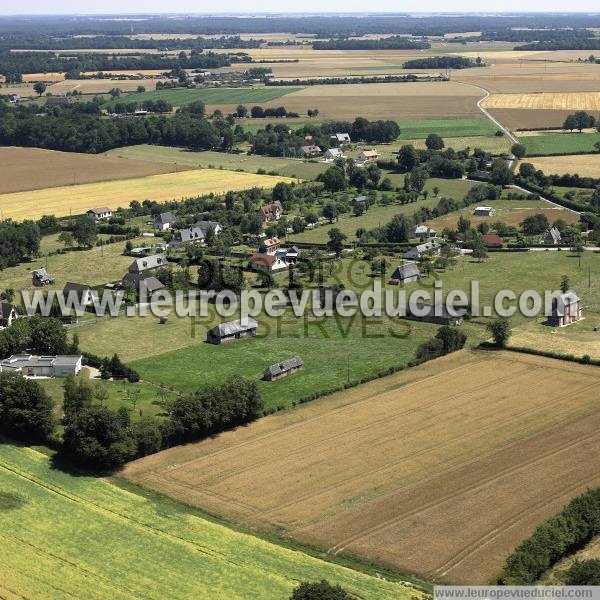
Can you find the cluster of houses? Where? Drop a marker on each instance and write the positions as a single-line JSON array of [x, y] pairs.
[[331, 154]]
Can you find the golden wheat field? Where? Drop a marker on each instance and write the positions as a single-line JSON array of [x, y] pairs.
[[586, 165], [62, 201], [546, 100]]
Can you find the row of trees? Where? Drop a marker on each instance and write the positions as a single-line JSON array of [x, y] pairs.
[[447, 339], [18, 241], [443, 62], [389, 43]]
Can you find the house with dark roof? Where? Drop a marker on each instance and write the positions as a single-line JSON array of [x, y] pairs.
[[165, 221], [143, 285], [423, 232], [83, 293], [271, 212], [407, 273], [566, 309], [100, 212], [483, 211], [41, 278], [434, 313], [551, 237], [283, 368], [30, 365], [8, 313], [233, 331], [195, 234], [148, 263], [426, 249], [289, 255], [492, 240]]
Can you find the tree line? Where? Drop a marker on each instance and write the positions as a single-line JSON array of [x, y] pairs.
[[389, 43], [443, 62]]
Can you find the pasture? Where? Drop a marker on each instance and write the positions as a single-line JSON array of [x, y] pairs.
[[586, 165], [212, 96], [76, 199], [73, 535], [358, 472], [35, 168], [447, 128], [560, 143]]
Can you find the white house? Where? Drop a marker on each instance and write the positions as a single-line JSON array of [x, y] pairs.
[[341, 138], [483, 211], [368, 156], [165, 221], [426, 249], [423, 232], [30, 365], [102, 212], [333, 153], [267, 263]]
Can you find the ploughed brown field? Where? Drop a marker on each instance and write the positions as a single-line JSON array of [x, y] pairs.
[[26, 169], [528, 118], [442, 469]]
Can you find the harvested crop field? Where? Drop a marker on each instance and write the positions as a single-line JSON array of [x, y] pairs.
[[76, 199], [587, 165], [389, 469], [386, 100], [33, 168], [101, 86], [523, 118], [546, 101]]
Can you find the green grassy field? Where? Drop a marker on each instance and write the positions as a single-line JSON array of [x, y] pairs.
[[183, 96], [421, 128], [250, 163], [75, 536], [559, 143]]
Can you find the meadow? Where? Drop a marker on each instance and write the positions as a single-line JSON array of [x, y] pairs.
[[76, 199], [559, 143], [73, 535], [586, 165], [421, 128], [183, 96], [388, 470]]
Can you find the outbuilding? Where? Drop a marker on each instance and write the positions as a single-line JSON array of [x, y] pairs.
[[233, 331], [283, 368]]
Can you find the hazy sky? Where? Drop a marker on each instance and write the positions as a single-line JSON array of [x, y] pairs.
[[243, 6]]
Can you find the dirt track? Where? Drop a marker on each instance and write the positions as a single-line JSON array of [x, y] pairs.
[[391, 469]]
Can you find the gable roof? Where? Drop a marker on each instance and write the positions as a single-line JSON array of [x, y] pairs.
[[284, 366], [191, 234], [233, 327], [76, 287], [310, 149], [406, 271], [423, 229], [260, 258], [553, 233], [99, 210], [492, 239], [341, 137], [165, 218], [370, 153], [148, 262]]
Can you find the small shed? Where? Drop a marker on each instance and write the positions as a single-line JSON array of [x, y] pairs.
[[407, 273], [233, 331], [283, 368]]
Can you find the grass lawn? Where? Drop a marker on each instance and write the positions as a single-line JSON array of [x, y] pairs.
[[286, 167], [447, 128], [183, 96], [489, 143], [560, 143], [79, 536]]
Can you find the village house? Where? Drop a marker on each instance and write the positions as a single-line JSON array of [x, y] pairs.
[[283, 368], [289, 255], [492, 240], [359, 201], [269, 246], [341, 138], [566, 309], [271, 212], [483, 211], [81, 292], [428, 248], [233, 331], [195, 234], [143, 286], [267, 263], [40, 277], [148, 263], [8, 313], [423, 232], [308, 151], [434, 313], [403, 274], [165, 221], [368, 156], [551, 237], [102, 212], [42, 366], [333, 153]]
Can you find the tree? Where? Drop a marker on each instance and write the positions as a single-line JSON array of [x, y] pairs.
[[398, 230], [436, 191], [479, 251], [500, 173], [434, 142], [39, 88], [500, 330], [597, 146], [336, 241], [463, 224], [333, 179], [241, 111], [85, 231], [586, 572], [535, 224], [518, 150], [26, 411], [319, 591], [140, 89], [330, 212], [570, 123], [66, 238], [407, 158], [565, 284], [359, 178]]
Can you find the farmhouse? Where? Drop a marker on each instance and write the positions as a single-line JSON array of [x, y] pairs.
[[341, 138], [483, 211], [359, 201], [428, 248], [233, 331], [433, 313], [271, 212], [566, 309], [423, 232], [40, 277], [492, 240], [144, 286], [165, 221], [267, 263], [102, 212], [41, 366], [368, 156], [270, 246], [407, 273], [82, 292], [333, 153], [551, 237], [8, 313], [195, 233], [283, 369], [307, 151], [148, 263]]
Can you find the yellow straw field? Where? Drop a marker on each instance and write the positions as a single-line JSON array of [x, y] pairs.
[[546, 100], [77, 199]]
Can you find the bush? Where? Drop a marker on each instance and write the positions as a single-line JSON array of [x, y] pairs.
[[319, 591], [586, 572]]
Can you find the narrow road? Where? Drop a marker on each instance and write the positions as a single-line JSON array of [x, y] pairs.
[[520, 189]]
